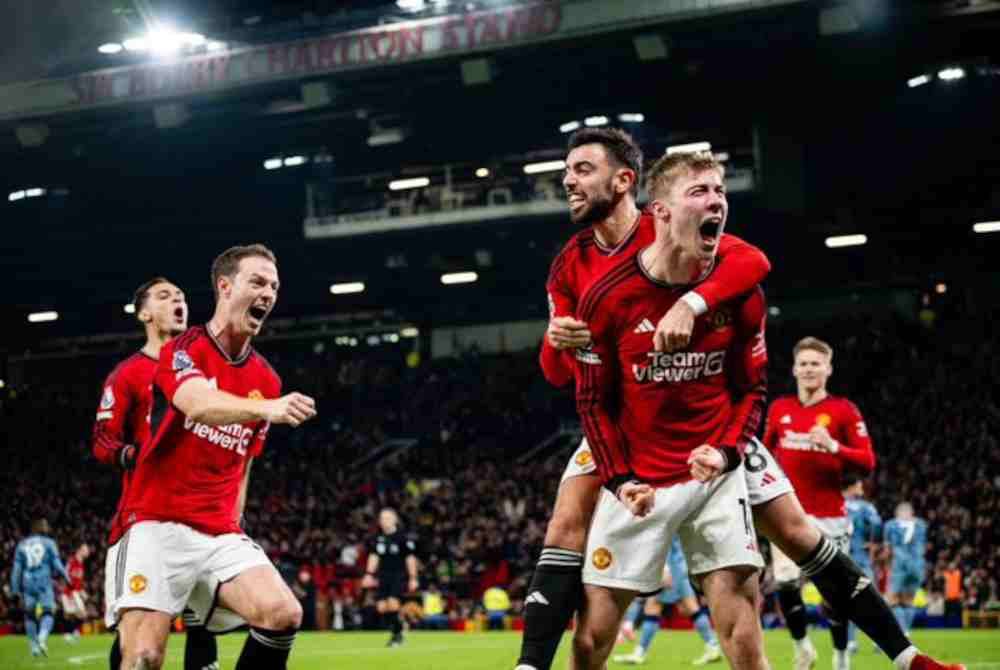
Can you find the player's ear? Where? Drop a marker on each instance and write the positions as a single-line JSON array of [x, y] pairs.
[[144, 316], [624, 179]]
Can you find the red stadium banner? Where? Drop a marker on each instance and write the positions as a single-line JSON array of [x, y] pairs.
[[382, 46], [385, 45]]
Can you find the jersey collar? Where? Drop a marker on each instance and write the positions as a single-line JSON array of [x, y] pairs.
[[239, 360]]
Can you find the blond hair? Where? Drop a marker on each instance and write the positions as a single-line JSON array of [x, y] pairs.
[[812, 344], [667, 168]]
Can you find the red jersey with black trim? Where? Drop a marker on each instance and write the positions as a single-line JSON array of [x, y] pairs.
[[817, 475], [739, 267], [191, 472], [77, 574], [123, 414], [644, 411]]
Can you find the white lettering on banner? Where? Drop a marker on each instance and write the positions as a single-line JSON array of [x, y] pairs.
[[374, 46], [682, 366], [232, 436]]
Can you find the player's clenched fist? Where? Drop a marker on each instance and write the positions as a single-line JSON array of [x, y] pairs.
[[638, 497], [706, 463], [673, 332], [565, 332], [291, 409]]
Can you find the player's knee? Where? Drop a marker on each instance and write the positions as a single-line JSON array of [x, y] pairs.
[[567, 529], [147, 657], [287, 615]]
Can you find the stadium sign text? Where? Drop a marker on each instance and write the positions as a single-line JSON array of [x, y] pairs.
[[362, 48]]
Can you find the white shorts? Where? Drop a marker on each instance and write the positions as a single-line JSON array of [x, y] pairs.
[[73, 603], [580, 463], [162, 566], [765, 478], [835, 529], [713, 521]]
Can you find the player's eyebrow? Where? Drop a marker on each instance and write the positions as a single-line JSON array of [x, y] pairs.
[[274, 284]]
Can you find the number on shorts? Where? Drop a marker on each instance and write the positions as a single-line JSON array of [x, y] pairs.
[[753, 460], [746, 517]]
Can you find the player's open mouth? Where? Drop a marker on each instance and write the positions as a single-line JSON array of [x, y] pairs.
[[709, 230], [179, 313], [575, 200], [257, 313]]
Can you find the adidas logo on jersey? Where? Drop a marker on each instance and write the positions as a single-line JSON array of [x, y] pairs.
[[537, 598], [645, 327]]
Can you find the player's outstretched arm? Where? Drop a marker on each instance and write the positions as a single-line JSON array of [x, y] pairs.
[[370, 581], [740, 267], [200, 402], [15, 574]]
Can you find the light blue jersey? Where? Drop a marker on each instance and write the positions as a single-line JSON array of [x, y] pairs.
[[36, 563], [908, 540], [866, 528], [681, 587]]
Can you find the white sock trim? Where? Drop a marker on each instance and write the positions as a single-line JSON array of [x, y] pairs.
[[902, 662]]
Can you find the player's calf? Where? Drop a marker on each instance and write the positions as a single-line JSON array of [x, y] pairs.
[[732, 598], [143, 635]]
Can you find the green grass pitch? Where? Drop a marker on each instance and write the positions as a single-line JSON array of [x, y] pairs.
[[979, 650]]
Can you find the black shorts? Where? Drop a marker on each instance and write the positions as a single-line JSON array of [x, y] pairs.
[[391, 585]]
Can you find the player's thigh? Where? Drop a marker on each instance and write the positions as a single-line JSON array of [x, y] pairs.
[[783, 521], [576, 500], [625, 552], [390, 604], [143, 631], [260, 596], [652, 607], [688, 606], [719, 532]]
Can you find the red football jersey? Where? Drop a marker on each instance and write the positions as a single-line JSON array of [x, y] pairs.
[[123, 415], [191, 472], [817, 474], [740, 267], [644, 412], [77, 575]]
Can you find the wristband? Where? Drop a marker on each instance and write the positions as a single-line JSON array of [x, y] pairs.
[[618, 481], [732, 456], [695, 302]]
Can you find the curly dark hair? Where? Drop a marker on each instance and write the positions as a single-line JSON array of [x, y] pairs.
[[619, 145]]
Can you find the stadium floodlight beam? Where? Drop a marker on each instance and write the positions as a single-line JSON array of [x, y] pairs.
[[2, 384], [136, 44], [632, 118], [293, 161], [16, 195], [987, 227], [545, 166], [838, 241], [919, 80], [34, 192], [129, 308], [409, 331], [42, 317], [951, 74], [412, 182], [411, 5], [110, 48], [940, 288], [215, 45], [346, 288], [459, 277], [272, 164], [594, 121], [192, 39], [692, 147], [569, 126], [483, 173]]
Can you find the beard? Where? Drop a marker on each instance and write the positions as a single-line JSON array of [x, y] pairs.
[[600, 207]]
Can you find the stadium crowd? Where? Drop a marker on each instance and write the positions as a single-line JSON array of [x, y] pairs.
[[927, 391]]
